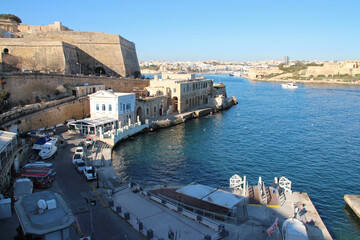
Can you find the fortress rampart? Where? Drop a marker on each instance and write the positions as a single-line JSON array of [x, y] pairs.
[[24, 86], [82, 52]]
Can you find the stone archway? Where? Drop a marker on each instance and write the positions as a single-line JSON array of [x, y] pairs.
[[139, 112], [99, 71]]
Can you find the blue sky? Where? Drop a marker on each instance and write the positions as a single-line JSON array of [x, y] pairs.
[[211, 30]]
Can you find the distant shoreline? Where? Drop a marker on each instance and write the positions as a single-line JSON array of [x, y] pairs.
[[327, 81]]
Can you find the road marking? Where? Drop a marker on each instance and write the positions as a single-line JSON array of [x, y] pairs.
[[98, 196]]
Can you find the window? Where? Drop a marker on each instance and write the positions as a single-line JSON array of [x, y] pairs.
[[174, 90], [123, 107], [97, 107], [187, 101], [128, 106], [187, 87], [110, 108], [103, 107], [184, 89], [120, 106], [147, 111]]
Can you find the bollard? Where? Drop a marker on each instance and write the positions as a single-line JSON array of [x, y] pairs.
[[207, 237], [224, 233], [127, 216], [118, 209], [163, 201], [111, 203], [221, 227], [149, 234], [140, 225]]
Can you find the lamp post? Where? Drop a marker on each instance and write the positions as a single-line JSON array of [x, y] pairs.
[[79, 65]]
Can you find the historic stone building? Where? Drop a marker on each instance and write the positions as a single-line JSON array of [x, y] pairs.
[[59, 49], [259, 72], [183, 91], [334, 68]]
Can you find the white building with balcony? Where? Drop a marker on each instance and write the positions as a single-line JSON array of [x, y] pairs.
[[112, 117], [115, 105]]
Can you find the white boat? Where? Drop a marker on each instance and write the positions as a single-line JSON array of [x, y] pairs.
[[41, 141], [39, 164], [289, 85], [294, 229], [48, 150]]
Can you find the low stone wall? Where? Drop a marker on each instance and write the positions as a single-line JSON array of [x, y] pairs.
[[24, 86], [28, 109], [76, 109]]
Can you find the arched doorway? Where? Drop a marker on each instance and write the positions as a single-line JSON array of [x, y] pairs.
[[99, 71], [175, 103], [139, 112]]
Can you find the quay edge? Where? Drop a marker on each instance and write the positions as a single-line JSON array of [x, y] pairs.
[[353, 201]]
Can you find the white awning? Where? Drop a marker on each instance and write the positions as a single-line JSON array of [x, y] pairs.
[[224, 199], [196, 190]]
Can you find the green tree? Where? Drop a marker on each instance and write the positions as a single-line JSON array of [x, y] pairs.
[[4, 96], [11, 17]]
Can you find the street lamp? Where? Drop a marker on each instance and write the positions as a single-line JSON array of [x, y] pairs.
[[80, 66]]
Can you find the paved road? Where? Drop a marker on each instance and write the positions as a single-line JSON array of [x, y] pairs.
[[74, 188]]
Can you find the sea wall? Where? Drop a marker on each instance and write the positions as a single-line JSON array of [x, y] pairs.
[[181, 118]]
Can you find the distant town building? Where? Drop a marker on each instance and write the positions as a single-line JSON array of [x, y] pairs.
[[44, 215], [183, 91], [286, 60]]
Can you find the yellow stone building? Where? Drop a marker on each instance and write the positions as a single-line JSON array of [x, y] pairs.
[[183, 91]]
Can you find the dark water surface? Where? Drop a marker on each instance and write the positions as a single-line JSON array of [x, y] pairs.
[[310, 135]]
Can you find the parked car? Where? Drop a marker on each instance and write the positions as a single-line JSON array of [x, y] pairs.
[[80, 166], [80, 150], [77, 157], [89, 141], [90, 173]]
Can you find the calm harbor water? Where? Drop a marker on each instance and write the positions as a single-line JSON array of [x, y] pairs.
[[310, 135]]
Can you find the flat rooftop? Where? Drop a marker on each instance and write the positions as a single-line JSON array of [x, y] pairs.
[[5, 138], [50, 220]]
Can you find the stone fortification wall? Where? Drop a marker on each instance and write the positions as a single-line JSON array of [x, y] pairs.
[[259, 72], [50, 117], [334, 68], [23, 86], [46, 55], [109, 53], [21, 111], [57, 26]]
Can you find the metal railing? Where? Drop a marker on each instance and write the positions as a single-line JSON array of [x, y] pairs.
[[262, 192]]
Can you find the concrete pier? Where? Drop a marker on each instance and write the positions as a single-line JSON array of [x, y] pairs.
[[354, 203]]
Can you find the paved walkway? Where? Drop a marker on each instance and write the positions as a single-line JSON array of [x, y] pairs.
[[158, 218]]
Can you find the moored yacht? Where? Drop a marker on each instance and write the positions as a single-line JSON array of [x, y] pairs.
[[48, 150]]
